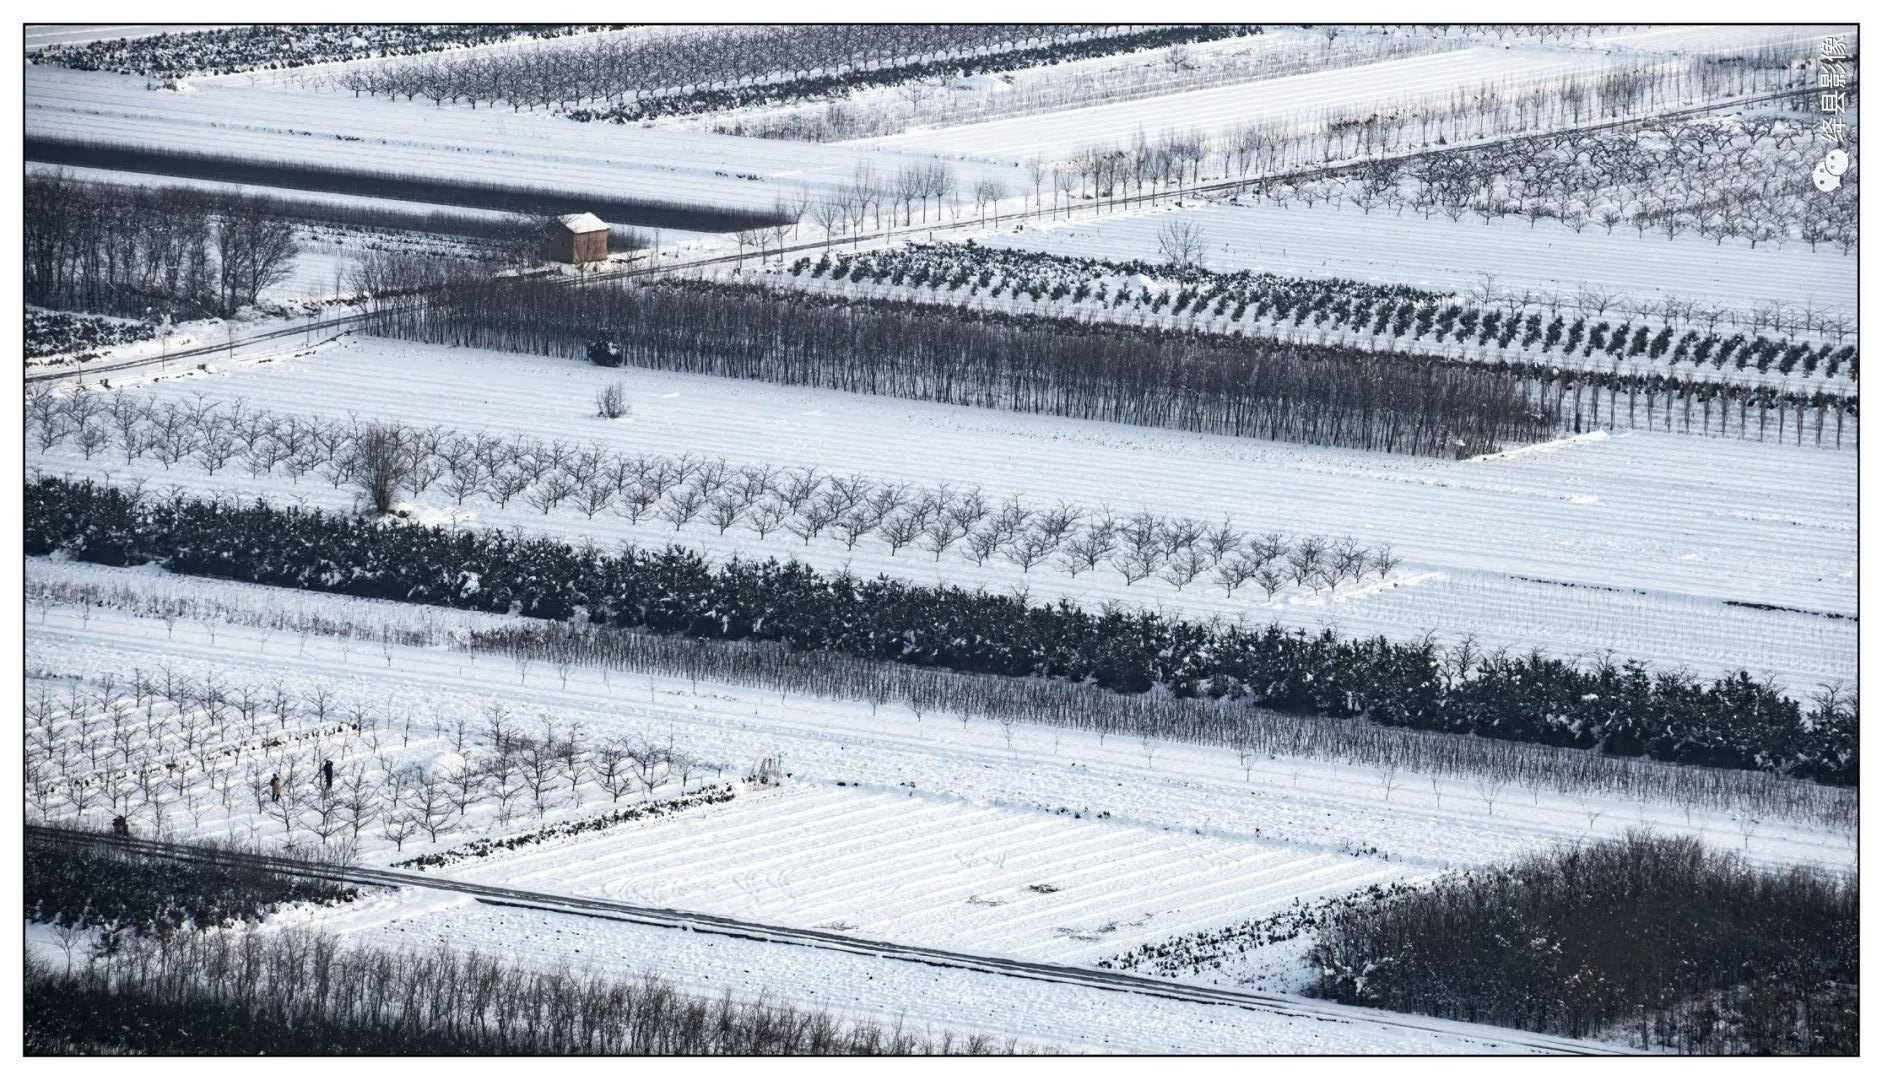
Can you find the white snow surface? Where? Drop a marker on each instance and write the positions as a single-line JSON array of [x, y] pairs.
[[267, 120], [920, 830], [1435, 253], [1631, 542]]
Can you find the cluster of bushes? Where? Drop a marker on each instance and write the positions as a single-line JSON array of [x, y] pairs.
[[94, 883], [1654, 939], [1619, 708], [1332, 304], [297, 993], [1321, 395], [273, 47], [77, 337], [484, 848], [1191, 953], [1078, 42]]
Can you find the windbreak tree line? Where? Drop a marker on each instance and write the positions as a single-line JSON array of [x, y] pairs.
[[1320, 395], [1619, 708]]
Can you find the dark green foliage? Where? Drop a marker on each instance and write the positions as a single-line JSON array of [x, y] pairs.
[[1653, 938], [107, 886], [51, 332], [1621, 708]]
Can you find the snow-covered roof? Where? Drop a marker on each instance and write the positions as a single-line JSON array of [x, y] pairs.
[[583, 223]]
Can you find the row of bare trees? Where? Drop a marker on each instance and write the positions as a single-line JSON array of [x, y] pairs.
[[305, 994], [938, 101], [615, 69], [1250, 734], [1720, 179], [1144, 168], [132, 250], [1320, 395], [167, 749], [386, 462]]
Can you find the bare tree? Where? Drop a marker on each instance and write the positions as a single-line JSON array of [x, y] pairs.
[[380, 464], [1180, 243], [611, 401]]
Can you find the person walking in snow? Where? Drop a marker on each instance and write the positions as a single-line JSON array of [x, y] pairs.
[[274, 786], [326, 773]]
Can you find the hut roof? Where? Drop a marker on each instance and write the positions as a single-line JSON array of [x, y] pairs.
[[583, 223]]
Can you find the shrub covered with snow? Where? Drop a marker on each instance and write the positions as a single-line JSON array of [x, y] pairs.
[[1617, 707]]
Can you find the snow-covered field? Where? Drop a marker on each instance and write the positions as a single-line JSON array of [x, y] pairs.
[[889, 826], [1632, 542], [269, 121], [1435, 253], [1292, 100], [1024, 842]]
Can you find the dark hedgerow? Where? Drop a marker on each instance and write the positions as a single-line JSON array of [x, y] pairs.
[[1657, 940], [118, 889], [432, 190], [1618, 708]]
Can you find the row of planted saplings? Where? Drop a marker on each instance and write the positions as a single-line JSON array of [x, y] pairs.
[[164, 749], [386, 461]]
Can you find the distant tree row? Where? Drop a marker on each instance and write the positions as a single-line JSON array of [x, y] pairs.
[[1298, 393], [1721, 178], [1336, 395], [1619, 707], [274, 47], [916, 76], [699, 66], [305, 994]]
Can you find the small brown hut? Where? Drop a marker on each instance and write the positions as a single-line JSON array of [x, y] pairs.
[[577, 238]]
